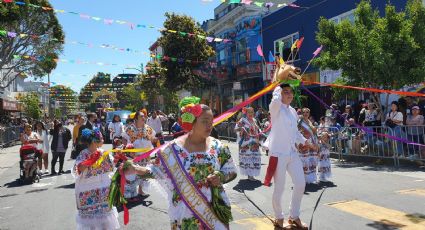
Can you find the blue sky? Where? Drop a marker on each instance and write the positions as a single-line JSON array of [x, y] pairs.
[[146, 12]]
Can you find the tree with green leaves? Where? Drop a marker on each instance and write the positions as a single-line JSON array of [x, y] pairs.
[[31, 104], [179, 74], [380, 52], [148, 89], [31, 39]]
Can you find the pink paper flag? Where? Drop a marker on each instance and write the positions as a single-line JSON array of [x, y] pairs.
[[293, 5], [85, 16], [247, 2], [315, 53], [260, 51], [108, 21]]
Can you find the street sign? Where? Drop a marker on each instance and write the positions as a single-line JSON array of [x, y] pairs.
[[237, 85]]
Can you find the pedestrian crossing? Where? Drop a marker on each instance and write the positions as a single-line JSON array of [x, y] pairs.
[[382, 216]]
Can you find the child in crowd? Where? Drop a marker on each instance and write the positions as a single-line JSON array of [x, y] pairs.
[[308, 156], [92, 186], [324, 167]]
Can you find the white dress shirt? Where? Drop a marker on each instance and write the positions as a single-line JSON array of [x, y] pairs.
[[284, 133], [156, 123], [117, 128]]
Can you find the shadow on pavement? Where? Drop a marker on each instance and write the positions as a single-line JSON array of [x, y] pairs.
[[9, 195], [385, 225], [244, 185], [66, 186], [310, 188], [14, 184], [36, 190], [141, 201]]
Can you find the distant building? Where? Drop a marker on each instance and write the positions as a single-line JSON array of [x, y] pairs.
[[118, 84], [237, 66], [284, 26]]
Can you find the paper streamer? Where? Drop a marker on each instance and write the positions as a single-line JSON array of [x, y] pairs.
[[412, 94], [108, 21]]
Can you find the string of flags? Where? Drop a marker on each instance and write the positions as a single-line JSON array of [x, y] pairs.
[[258, 3], [90, 45], [108, 21]]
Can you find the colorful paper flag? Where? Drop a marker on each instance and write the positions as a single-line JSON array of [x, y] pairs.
[[281, 61], [247, 2], [300, 42], [260, 51], [271, 57], [294, 45], [315, 53]]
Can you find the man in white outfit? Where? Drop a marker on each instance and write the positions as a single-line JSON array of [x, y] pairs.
[[282, 142]]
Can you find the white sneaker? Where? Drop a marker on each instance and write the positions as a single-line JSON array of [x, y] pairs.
[[46, 171]]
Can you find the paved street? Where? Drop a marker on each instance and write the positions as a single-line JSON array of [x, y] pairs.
[[363, 197]]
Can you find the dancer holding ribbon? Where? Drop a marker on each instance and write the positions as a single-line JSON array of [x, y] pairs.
[[284, 156], [92, 186], [249, 144], [192, 171]]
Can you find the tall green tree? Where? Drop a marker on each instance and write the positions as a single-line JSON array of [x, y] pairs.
[[31, 103], [183, 46], [96, 84], [43, 41], [149, 87], [381, 52]]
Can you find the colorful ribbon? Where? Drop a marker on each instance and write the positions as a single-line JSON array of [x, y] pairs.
[[412, 94]]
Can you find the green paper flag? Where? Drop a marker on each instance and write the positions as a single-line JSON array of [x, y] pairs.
[[183, 33], [173, 59], [234, 1], [201, 36], [3, 32], [260, 4]]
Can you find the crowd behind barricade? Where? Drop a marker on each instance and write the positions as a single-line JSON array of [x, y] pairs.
[[360, 129]]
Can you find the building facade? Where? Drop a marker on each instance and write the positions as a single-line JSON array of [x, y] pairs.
[[237, 67], [283, 27]]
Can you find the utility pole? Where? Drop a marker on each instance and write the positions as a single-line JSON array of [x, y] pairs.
[[49, 109]]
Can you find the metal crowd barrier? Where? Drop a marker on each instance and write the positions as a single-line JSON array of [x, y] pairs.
[[9, 135], [352, 141], [226, 130]]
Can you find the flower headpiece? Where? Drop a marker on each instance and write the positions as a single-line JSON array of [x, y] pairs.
[[92, 135], [190, 110]]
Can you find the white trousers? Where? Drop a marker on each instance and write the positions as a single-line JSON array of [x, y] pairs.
[[292, 164]]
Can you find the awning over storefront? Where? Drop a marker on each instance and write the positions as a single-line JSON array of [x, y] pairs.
[[12, 106]]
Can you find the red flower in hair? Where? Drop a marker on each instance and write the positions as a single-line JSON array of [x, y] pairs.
[[186, 126], [196, 110]]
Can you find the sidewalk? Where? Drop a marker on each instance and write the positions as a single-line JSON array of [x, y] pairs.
[[9, 157]]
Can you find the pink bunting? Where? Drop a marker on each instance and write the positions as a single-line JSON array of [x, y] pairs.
[[108, 21], [293, 5], [85, 16], [315, 53], [247, 2], [11, 34], [260, 51]]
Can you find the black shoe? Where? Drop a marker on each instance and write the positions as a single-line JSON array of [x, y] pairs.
[[61, 172], [53, 173]]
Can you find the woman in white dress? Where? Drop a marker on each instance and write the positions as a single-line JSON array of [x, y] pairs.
[[44, 147]]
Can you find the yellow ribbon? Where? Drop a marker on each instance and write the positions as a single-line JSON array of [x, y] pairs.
[[106, 153]]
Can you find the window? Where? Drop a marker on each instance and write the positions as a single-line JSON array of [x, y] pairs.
[[241, 51], [283, 46], [222, 57], [349, 15]]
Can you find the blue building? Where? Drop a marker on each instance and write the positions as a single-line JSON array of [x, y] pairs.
[[238, 66], [283, 27]]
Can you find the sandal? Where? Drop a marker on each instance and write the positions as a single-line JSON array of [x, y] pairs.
[[298, 224], [281, 224]]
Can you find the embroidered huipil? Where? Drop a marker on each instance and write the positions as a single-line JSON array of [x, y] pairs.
[[91, 193], [198, 165], [249, 147], [284, 134]]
